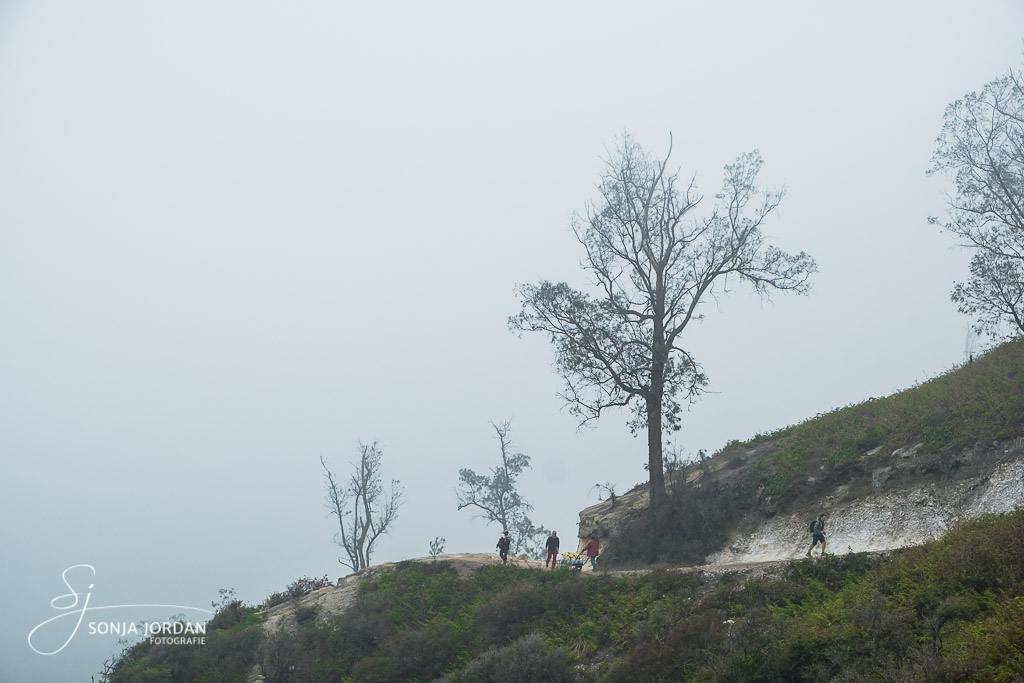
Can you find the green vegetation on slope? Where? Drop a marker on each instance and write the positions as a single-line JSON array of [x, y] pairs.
[[233, 637], [773, 473], [979, 401], [948, 611]]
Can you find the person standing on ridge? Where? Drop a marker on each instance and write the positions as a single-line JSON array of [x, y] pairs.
[[552, 547], [818, 534], [592, 551], [504, 543]]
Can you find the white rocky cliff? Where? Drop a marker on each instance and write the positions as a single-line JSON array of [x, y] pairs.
[[912, 498]]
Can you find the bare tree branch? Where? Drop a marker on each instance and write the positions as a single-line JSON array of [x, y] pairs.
[[981, 147], [364, 511]]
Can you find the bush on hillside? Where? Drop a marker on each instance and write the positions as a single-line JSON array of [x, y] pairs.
[[420, 654], [693, 523], [232, 638], [508, 614], [296, 589], [527, 659]]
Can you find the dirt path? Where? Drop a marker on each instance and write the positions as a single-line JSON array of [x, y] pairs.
[[336, 599]]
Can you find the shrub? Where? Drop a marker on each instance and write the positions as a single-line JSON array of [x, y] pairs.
[[873, 438], [564, 595], [692, 524], [507, 615], [415, 655], [527, 659], [232, 639], [281, 658], [366, 624], [296, 589], [228, 615], [305, 613]]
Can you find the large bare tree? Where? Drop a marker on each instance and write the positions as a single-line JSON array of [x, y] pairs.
[[654, 263], [981, 147], [364, 510]]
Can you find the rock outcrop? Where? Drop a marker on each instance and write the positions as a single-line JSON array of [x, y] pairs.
[[908, 498], [336, 599]]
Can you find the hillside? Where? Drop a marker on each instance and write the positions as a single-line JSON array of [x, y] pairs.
[[890, 472], [949, 610], [925, 468]]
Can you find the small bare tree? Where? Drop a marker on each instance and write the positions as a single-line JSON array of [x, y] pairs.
[[364, 510], [605, 491], [437, 547], [497, 499]]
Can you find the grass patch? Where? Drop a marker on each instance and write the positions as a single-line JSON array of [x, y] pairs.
[[979, 401]]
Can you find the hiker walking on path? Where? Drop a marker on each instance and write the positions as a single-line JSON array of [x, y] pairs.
[[818, 534], [503, 545], [552, 547], [591, 549]]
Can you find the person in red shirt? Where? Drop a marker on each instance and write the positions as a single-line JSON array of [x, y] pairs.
[[591, 549]]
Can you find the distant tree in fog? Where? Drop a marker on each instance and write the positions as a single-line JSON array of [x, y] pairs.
[[364, 510], [981, 147], [497, 499]]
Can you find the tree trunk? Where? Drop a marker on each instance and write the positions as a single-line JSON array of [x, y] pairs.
[[655, 398], [655, 461]]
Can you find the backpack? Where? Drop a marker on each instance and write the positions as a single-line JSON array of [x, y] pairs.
[[813, 522]]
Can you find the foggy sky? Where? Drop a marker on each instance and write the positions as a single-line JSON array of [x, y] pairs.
[[236, 237]]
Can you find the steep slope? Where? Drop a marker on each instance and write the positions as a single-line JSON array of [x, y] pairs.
[[889, 472]]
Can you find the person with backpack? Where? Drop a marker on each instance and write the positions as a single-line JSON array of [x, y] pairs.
[[552, 547], [504, 543], [818, 534]]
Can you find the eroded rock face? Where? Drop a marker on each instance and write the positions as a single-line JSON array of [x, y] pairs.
[[879, 479], [895, 514], [601, 519], [906, 499]]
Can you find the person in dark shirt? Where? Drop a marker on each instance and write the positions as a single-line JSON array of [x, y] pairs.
[[504, 543], [818, 534], [552, 547]]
